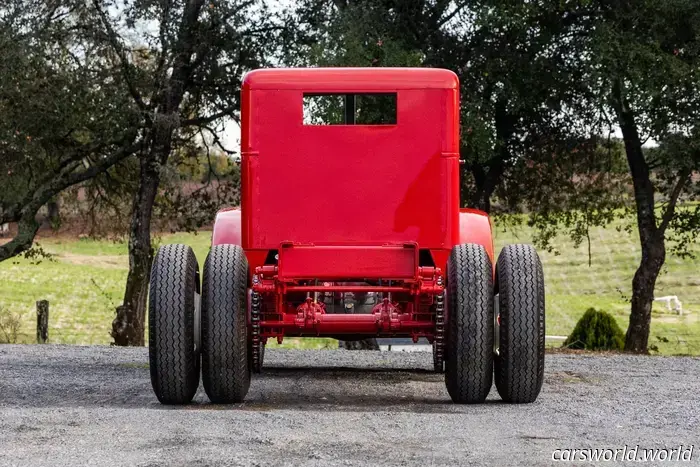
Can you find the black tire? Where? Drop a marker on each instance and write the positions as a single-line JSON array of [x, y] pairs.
[[173, 359], [469, 352], [225, 365], [520, 360]]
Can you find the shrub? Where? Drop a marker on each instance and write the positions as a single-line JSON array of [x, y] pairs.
[[10, 324], [596, 330]]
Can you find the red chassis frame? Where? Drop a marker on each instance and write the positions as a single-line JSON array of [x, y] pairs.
[[322, 241], [303, 265], [406, 299]]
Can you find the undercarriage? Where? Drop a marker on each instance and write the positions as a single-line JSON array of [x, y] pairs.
[[484, 324], [402, 302]]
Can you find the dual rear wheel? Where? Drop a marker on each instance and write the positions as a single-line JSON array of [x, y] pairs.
[[516, 358], [174, 336], [472, 359]]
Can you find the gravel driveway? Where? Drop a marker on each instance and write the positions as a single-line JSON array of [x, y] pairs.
[[73, 406]]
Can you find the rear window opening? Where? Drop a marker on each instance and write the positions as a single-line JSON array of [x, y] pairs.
[[350, 109]]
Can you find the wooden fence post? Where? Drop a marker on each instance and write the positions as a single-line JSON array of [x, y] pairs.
[[42, 321]]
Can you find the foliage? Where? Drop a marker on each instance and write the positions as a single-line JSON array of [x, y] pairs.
[[596, 330], [571, 190], [184, 74], [639, 58], [636, 69], [63, 116], [88, 85], [10, 325], [193, 186], [679, 154], [118, 105], [193, 189]]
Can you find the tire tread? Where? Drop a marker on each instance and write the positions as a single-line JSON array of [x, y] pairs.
[[225, 364], [519, 367], [173, 363], [469, 365]]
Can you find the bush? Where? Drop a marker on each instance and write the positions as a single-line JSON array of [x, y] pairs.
[[10, 324], [596, 330]]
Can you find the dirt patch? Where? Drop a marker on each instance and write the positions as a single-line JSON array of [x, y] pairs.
[[100, 261]]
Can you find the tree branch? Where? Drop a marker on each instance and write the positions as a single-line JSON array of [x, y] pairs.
[[164, 46], [452, 14], [228, 112], [217, 141], [123, 59], [673, 200], [44, 193]]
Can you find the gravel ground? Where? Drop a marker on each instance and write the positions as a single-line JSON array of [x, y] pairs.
[[72, 406]]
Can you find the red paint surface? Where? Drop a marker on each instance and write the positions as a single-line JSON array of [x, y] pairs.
[[350, 184], [475, 227], [227, 227], [349, 262]]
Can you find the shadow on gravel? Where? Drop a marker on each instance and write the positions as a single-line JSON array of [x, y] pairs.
[[339, 389], [418, 374], [337, 404], [343, 389]]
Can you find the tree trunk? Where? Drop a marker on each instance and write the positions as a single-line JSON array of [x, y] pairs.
[[488, 176], [653, 256], [53, 213], [129, 324], [26, 230], [485, 182], [650, 236]]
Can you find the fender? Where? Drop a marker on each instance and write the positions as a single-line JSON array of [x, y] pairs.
[[475, 227], [227, 227]]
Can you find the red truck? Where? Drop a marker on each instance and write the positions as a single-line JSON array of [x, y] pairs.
[[350, 188]]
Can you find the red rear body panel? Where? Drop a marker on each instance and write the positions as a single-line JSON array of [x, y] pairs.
[[389, 262], [350, 185]]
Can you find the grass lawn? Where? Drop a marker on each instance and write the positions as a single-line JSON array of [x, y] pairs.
[[573, 286], [85, 283]]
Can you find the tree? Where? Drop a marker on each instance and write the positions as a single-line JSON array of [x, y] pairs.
[[63, 119], [639, 62], [183, 74], [523, 100], [649, 53]]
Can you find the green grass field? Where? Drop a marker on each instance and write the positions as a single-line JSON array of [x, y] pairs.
[[573, 286], [85, 283]]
